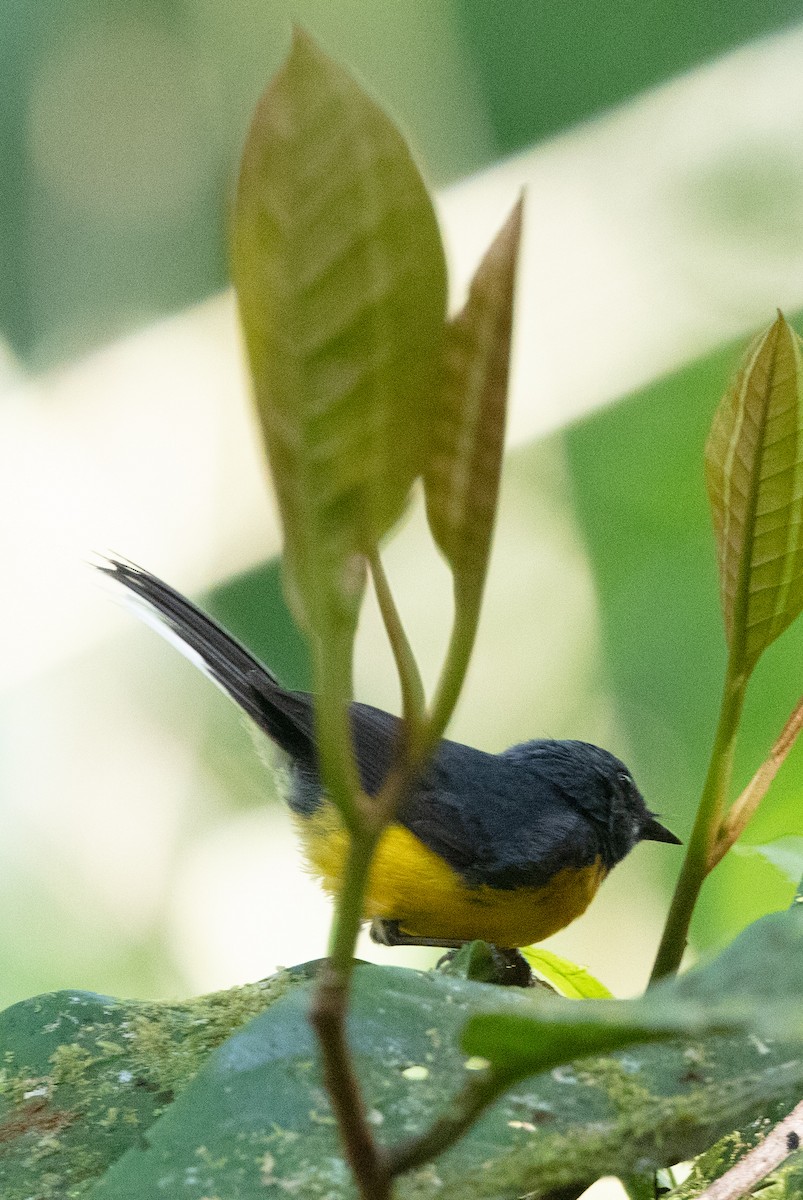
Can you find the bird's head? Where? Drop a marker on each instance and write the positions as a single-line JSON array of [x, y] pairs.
[[601, 786]]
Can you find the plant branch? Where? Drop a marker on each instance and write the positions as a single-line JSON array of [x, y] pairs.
[[365, 819], [330, 1000], [467, 606], [470, 1102], [741, 1179], [709, 816], [412, 689], [745, 807], [333, 665], [328, 1019]]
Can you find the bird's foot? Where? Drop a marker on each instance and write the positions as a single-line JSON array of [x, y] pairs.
[[472, 960], [485, 963]]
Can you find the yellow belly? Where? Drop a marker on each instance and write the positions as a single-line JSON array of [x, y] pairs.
[[412, 885]]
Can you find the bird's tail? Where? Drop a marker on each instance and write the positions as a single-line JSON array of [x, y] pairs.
[[200, 639]]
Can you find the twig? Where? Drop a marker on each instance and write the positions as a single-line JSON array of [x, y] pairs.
[[328, 1019], [709, 816], [779, 1143], [472, 1100], [744, 808], [373, 1167], [412, 689]]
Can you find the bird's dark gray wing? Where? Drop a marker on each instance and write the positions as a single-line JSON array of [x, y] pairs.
[[495, 825], [375, 735]]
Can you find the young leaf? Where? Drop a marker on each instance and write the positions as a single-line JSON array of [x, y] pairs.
[[572, 981], [340, 279], [462, 474], [754, 472]]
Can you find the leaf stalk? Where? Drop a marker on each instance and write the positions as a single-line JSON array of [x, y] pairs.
[[412, 688], [696, 864], [744, 808], [477, 1094], [467, 606]]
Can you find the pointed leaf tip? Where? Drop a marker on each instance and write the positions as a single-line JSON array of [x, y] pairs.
[[754, 475], [464, 467], [341, 285]]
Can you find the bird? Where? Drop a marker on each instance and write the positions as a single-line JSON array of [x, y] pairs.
[[506, 848]]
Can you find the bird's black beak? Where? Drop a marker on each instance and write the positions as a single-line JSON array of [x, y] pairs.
[[654, 831]]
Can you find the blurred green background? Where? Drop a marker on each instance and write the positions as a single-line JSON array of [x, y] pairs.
[[662, 150]]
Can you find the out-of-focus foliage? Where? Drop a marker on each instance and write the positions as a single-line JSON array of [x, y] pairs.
[[573, 61], [122, 121]]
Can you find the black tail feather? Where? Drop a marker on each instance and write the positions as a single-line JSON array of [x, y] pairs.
[[285, 716]]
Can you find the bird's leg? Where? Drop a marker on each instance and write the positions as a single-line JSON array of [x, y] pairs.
[[388, 933], [506, 967]]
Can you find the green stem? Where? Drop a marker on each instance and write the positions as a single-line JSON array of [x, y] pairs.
[[412, 689], [706, 825], [333, 730], [467, 606], [349, 907], [330, 1000]]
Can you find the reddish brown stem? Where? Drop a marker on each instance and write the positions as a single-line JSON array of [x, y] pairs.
[[328, 1019], [744, 808]]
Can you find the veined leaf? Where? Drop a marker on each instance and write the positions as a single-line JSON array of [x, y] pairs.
[[754, 472], [462, 475], [340, 278], [257, 1120], [572, 981], [754, 984]]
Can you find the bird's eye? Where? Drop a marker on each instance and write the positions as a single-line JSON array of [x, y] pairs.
[[624, 778]]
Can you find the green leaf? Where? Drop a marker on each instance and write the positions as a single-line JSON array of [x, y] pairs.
[[462, 474], [83, 1077], [754, 472], [785, 853], [257, 1117], [755, 983], [649, 544], [571, 980], [340, 279]]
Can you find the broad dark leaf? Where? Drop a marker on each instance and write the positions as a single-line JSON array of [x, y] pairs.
[[262, 1118], [756, 983], [83, 1077], [256, 1115]]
